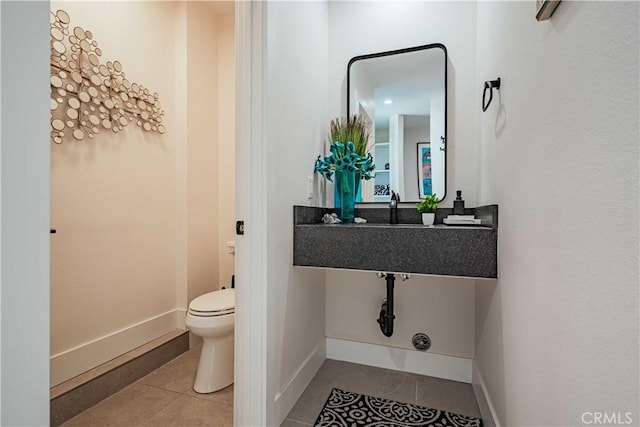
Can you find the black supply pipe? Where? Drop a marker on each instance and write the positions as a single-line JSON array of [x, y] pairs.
[[386, 311]]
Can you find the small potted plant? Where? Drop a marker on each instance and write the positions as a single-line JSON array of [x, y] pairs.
[[427, 207]]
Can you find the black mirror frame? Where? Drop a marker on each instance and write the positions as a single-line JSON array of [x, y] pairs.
[[446, 95]]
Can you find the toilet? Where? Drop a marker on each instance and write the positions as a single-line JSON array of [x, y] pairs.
[[212, 317]]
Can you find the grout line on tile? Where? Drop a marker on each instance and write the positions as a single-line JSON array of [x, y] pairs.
[[299, 422], [159, 388], [163, 406], [209, 400], [186, 392]]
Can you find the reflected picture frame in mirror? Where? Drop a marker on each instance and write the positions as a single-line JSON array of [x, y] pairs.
[[415, 80]]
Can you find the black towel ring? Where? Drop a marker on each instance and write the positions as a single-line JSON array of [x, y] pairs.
[[489, 85]]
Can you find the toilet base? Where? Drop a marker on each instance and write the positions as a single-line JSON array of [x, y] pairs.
[[215, 369]]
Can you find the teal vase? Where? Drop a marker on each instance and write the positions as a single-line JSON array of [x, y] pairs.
[[345, 189], [358, 192]]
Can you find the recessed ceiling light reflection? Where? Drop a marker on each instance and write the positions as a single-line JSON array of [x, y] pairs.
[[388, 101]]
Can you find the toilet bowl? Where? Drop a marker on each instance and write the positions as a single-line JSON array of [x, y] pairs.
[[212, 317]]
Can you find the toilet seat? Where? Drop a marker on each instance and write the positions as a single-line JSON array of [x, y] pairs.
[[213, 304]]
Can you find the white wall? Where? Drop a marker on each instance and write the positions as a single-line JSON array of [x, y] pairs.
[[421, 305], [297, 126], [362, 93], [25, 214], [412, 24], [363, 103], [382, 135], [409, 24], [557, 335]]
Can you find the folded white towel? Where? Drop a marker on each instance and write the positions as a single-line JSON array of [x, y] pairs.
[[455, 221], [461, 217]]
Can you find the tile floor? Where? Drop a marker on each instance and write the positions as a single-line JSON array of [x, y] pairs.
[[165, 397], [431, 392]]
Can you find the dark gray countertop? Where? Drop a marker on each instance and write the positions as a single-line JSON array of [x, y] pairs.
[[382, 225], [410, 247]]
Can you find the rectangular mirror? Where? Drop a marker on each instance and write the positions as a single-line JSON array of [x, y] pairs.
[[403, 94]]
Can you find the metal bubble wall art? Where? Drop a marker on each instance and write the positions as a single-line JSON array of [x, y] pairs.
[[88, 96]]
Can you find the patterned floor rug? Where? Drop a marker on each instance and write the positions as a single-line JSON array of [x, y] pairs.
[[344, 408]]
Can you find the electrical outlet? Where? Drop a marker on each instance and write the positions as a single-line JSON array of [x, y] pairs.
[[310, 187]]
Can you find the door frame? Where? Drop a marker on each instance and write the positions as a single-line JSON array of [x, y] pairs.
[[254, 403]]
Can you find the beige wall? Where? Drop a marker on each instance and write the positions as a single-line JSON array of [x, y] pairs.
[[111, 201], [137, 213], [202, 135], [226, 145], [557, 336]]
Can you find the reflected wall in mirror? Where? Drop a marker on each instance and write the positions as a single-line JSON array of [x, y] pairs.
[[403, 93]]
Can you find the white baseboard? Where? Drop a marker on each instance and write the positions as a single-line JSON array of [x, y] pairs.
[[73, 362], [400, 359], [294, 388], [487, 411]]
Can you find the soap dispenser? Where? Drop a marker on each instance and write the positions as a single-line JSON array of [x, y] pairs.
[[458, 204], [393, 208]]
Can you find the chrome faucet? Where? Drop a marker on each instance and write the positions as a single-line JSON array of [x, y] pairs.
[[393, 208]]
